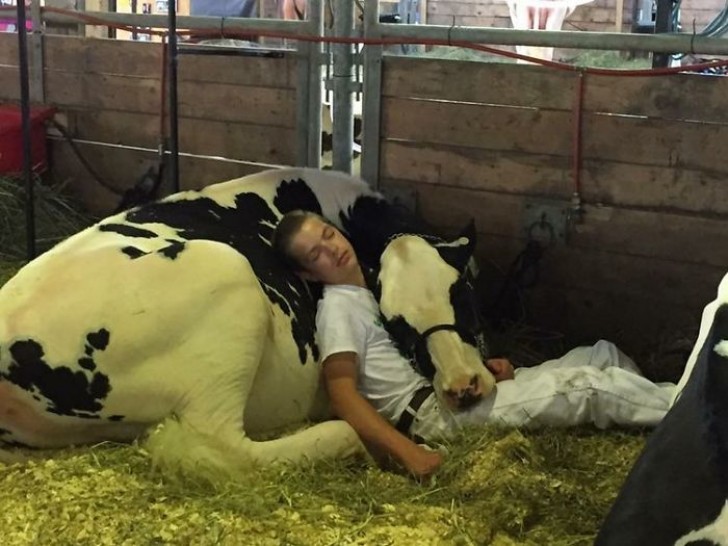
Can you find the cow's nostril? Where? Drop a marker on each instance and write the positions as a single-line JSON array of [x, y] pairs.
[[468, 398]]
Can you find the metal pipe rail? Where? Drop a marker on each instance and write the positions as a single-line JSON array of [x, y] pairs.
[[663, 43], [197, 22]]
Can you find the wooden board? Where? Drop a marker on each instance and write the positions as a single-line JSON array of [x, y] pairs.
[[144, 59], [197, 136], [606, 182], [122, 168], [639, 327], [9, 49], [9, 83], [669, 97], [477, 82], [221, 102], [651, 141], [660, 235]]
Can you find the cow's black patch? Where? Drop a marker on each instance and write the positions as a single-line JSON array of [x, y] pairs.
[[115, 417], [248, 227], [702, 542], [68, 392], [411, 345], [87, 363], [680, 481], [296, 195], [99, 340], [173, 250], [133, 252], [128, 231], [372, 222], [327, 141], [88, 350]]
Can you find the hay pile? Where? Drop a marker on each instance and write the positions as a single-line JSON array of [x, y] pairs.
[[499, 487], [56, 217]]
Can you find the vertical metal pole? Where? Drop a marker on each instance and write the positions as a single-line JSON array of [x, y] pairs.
[[112, 9], [81, 28], [172, 82], [343, 132], [663, 23], [302, 90], [372, 97], [315, 14], [134, 33], [37, 89], [308, 78], [25, 128]]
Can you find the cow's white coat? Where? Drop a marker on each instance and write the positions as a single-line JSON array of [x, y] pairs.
[[195, 344]]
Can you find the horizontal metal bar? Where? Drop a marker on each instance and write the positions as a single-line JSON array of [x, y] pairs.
[[185, 21], [54, 136], [665, 43]]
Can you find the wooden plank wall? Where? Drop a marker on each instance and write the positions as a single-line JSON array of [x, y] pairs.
[[480, 140], [108, 92]]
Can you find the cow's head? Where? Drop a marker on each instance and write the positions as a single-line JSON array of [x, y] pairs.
[[429, 308]]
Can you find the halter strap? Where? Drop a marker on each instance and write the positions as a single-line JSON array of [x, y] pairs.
[[427, 333]]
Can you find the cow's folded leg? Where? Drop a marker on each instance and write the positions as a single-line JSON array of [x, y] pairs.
[[177, 445]]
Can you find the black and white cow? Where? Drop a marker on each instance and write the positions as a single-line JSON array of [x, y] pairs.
[[677, 492], [177, 314]]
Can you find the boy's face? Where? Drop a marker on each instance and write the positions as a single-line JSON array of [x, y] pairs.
[[325, 254]]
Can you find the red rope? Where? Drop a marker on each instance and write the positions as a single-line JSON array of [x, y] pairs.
[[577, 136]]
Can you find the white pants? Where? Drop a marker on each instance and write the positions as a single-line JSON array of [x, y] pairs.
[[598, 385]]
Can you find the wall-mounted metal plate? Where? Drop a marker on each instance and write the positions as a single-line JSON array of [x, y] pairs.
[[546, 220]]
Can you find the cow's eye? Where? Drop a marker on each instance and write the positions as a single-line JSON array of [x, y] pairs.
[[328, 233]]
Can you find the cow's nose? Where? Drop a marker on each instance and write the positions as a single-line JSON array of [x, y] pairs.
[[468, 395]]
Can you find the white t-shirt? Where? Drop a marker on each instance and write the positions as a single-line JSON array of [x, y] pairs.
[[348, 320]]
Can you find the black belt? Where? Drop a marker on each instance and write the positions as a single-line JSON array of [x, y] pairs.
[[408, 415]]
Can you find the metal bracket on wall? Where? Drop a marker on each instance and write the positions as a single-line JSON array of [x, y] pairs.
[[546, 220]]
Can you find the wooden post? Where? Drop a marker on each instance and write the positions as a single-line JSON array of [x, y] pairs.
[[619, 17]]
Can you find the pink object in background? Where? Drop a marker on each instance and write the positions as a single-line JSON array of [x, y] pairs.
[[8, 25]]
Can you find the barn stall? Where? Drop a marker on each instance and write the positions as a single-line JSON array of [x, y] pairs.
[[634, 259]]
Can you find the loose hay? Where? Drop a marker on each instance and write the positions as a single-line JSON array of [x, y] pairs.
[[56, 217], [498, 486]]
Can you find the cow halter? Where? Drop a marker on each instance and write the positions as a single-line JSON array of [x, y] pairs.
[[437, 328]]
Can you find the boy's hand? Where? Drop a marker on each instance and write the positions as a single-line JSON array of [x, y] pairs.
[[501, 368], [423, 462]]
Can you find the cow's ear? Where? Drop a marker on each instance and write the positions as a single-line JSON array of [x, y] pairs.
[[459, 251], [470, 234]]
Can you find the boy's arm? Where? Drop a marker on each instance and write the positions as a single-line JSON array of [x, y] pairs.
[[380, 437]]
